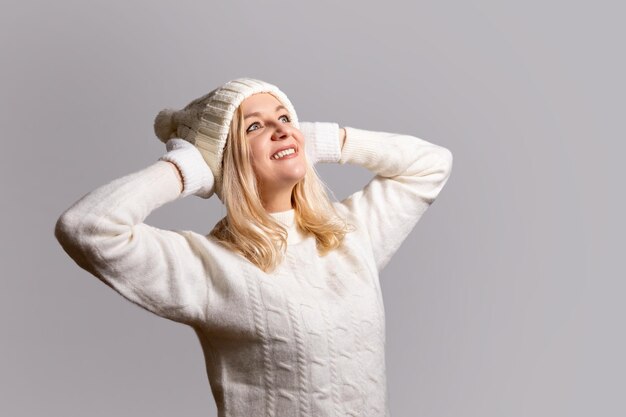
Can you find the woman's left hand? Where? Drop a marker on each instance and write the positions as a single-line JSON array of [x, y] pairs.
[[323, 141]]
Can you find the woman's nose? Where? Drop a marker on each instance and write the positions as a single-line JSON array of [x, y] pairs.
[[281, 132]]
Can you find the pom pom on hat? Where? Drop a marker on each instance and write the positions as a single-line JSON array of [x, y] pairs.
[[165, 124]]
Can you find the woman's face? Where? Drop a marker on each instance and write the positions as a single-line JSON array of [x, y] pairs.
[[268, 129]]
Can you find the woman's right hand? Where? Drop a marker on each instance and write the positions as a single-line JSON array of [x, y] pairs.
[[193, 171]]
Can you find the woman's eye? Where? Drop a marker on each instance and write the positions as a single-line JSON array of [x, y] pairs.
[[250, 127], [256, 123]]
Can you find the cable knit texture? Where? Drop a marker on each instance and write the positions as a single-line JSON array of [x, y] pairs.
[[305, 340]]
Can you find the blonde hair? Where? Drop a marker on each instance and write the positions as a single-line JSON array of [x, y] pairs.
[[249, 230]]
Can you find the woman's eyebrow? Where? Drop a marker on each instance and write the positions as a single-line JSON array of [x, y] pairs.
[[256, 113]]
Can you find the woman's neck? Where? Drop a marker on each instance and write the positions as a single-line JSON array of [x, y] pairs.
[[278, 202]]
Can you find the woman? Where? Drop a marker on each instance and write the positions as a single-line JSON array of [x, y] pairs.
[[283, 294]]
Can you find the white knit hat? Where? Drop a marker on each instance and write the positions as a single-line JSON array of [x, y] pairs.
[[205, 121]]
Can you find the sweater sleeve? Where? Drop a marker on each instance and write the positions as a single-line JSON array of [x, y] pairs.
[[104, 233], [410, 173]]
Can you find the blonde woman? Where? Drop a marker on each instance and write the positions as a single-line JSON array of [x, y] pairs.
[[284, 293]]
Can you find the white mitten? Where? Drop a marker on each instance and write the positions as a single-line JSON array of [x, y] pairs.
[[321, 141], [198, 178]]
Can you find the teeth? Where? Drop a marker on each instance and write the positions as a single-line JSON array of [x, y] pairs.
[[286, 152]]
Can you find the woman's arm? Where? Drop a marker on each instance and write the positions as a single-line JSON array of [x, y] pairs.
[[410, 174], [159, 270]]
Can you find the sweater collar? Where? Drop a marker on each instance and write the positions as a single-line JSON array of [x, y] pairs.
[[287, 219]]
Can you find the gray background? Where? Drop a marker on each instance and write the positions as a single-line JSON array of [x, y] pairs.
[[505, 300]]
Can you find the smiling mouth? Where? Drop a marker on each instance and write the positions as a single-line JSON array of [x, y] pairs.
[[284, 153]]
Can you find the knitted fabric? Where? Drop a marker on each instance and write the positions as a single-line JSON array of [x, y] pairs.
[[307, 339]]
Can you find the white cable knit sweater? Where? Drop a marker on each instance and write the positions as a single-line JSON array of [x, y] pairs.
[[305, 340]]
